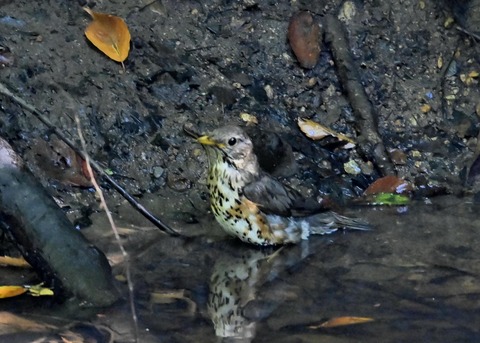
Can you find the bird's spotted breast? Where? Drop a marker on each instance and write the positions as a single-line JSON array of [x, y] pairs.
[[235, 213]]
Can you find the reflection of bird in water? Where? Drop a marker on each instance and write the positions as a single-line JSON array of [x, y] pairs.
[[233, 304], [253, 206]]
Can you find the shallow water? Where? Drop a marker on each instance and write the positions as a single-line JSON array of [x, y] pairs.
[[416, 274]]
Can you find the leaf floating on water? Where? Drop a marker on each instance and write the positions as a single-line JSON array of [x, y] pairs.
[[11, 323], [386, 199], [11, 291], [342, 321], [109, 34], [389, 184], [14, 262], [317, 131], [39, 290]]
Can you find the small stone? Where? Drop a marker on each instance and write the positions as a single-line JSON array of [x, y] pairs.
[[311, 82], [347, 12], [398, 157], [477, 109], [416, 153], [158, 172], [367, 168], [351, 167], [269, 91]]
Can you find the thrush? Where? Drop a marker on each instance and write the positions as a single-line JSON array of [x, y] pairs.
[[250, 204]]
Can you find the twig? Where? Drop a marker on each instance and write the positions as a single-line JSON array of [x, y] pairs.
[[114, 229], [471, 34], [370, 143], [443, 78], [156, 221]]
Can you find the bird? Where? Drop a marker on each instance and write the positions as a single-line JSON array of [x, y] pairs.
[[246, 286], [250, 204]]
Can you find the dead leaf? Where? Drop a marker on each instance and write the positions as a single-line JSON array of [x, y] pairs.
[[60, 162], [171, 296], [317, 131], [389, 184], [10, 323], [425, 108], [304, 37], [109, 34], [39, 290], [342, 321], [14, 262], [11, 291], [248, 118]]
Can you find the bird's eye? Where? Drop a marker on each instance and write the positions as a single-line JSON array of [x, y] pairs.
[[232, 141]]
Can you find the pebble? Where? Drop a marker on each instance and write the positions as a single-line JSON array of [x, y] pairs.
[[158, 172], [398, 157], [351, 167]]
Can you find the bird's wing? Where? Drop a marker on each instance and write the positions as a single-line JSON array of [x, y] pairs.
[[273, 197]]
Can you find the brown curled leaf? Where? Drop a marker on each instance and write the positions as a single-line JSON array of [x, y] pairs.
[[389, 184], [304, 38]]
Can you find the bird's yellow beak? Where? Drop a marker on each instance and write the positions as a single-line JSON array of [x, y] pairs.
[[207, 140]]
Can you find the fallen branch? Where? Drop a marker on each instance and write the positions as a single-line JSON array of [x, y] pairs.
[[153, 219], [47, 239], [369, 141]]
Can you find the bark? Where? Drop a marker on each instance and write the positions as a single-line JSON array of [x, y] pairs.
[[58, 252]]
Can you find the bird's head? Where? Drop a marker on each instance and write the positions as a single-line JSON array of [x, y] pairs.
[[235, 146]]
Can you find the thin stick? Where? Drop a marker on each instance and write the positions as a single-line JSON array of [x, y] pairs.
[[366, 118], [114, 229], [156, 221], [471, 34]]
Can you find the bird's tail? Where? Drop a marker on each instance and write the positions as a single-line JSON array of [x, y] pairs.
[[328, 222]]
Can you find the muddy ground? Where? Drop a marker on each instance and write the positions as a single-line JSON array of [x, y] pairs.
[[204, 63]]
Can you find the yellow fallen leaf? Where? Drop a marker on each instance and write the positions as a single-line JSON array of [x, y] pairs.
[[14, 262], [170, 296], [317, 131], [250, 119], [440, 62], [448, 23], [109, 34], [39, 290], [425, 108], [473, 74], [469, 79], [342, 321], [11, 291]]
